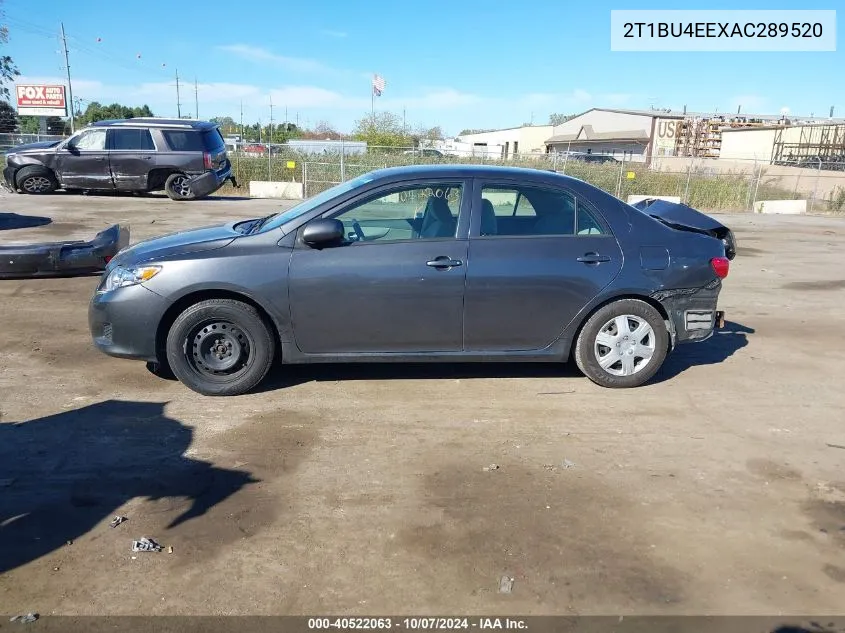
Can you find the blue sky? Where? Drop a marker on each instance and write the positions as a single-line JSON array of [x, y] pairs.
[[457, 63]]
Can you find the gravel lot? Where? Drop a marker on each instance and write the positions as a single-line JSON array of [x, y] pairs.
[[717, 489]]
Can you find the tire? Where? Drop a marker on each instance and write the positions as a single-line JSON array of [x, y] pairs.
[[245, 354], [36, 180], [176, 188], [601, 338]]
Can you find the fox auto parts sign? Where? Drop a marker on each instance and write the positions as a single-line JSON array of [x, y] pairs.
[[41, 100]]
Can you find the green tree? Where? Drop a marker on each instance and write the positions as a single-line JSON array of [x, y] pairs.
[[557, 119], [8, 70], [322, 131], [99, 112], [29, 124], [382, 129], [227, 124], [8, 118]]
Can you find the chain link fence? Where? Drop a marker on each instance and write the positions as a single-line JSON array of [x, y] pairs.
[[8, 141], [705, 184]]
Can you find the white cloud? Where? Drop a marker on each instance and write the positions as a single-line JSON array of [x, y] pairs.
[[333, 33], [260, 55], [582, 96]]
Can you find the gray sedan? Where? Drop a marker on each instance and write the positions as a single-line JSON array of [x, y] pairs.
[[445, 263]]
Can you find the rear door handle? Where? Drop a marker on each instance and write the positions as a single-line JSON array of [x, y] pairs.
[[593, 258], [443, 262]]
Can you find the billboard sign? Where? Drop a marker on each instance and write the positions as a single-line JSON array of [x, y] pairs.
[[41, 100]]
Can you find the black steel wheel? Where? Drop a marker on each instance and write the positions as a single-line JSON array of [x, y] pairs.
[[220, 347]]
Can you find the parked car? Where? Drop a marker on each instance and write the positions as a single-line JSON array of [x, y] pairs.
[[425, 152], [592, 158], [426, 263], [185, 158]]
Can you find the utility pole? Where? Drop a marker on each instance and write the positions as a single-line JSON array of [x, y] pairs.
[[178, 102], [196, 100], [69, 86], [270, 144]]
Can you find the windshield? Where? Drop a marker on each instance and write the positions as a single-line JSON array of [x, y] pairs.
[[305, 206]]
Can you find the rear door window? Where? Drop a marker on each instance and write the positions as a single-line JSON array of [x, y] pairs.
[[139, 139], [193, 140]]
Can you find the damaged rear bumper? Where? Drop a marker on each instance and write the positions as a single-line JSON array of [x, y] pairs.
[[208, 182], [692, 312], [57, 259]]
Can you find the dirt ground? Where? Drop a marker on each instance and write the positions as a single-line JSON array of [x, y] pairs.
[[717, 489]]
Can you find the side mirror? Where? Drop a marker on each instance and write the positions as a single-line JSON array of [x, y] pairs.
[[322, 232]]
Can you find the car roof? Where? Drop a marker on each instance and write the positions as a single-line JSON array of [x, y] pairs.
[[471, 171], [157, 122]]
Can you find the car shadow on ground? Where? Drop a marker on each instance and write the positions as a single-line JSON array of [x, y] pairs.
[[9, 221], [722, 345], [155, 195], [63, 474], [291, 375], [718, 348]]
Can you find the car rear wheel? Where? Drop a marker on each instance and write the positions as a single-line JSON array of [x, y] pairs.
[[178, 187], [220, 347], [36, 180], [623, 344]]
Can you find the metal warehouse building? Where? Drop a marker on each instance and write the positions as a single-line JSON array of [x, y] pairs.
[[786, 144]]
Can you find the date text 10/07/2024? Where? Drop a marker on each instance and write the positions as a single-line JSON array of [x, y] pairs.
[[421, 624]]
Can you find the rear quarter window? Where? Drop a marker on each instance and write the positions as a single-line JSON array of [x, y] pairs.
[[193, 140]]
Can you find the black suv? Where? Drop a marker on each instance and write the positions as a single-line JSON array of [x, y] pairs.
[[185, 158]]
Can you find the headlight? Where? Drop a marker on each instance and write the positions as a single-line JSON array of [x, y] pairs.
[[120, 277]]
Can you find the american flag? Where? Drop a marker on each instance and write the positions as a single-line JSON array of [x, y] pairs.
[[378, 85]]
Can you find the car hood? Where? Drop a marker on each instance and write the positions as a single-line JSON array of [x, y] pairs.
[[174, 244], [678, 214], [41, 145], [685, 218]]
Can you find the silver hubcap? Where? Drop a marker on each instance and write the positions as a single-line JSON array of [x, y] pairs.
[[180, 185], [36, 184], [624, 345]]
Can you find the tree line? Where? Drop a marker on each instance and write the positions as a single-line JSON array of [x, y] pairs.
[[379, 129]]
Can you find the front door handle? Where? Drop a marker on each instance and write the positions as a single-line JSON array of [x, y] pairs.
[[443, 262], [593, 258]]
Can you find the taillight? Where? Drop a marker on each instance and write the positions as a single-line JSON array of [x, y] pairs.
[[206, 160], [720, 266], [107, 258]]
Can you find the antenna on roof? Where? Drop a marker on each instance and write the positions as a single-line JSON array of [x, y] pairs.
[[738, 109]]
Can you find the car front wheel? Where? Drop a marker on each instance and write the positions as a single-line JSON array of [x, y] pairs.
[[623, 344], [220, 347], [37, 180]]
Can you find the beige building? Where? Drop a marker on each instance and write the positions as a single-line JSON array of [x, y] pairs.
[[624, 134], [785, 144], [526, 139]]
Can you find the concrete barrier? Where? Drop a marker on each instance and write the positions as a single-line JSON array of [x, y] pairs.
[[638, 198], [786, 207], [284, 190]]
